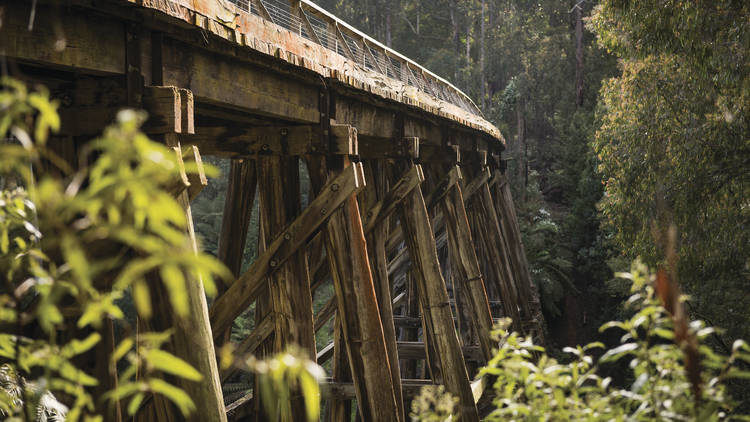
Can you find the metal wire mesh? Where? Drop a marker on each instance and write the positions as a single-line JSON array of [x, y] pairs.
[[376, 59]]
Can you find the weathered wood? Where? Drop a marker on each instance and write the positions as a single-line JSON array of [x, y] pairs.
[[164, 104], [416, 350], [512, 232], [239, 141], [386, 205], [63, 38], [289, 285], [325, 314], [236, 216], [247, 288], [358, 309], [197, 179], [187, 109], [377, 193], [410, 388], [433, 298], [467, 274], [493, 245], [192, 338]]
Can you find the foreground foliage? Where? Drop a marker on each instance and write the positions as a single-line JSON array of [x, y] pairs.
[[652, 382], [76, 246]]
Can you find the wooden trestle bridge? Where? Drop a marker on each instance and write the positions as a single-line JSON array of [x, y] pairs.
[[410, 214]]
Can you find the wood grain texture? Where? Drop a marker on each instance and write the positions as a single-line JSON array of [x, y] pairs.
[[433, 298]]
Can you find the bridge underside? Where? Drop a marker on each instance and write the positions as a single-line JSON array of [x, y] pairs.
[[410, 215]]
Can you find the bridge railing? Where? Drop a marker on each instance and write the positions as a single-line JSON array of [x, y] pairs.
[[316, 24]]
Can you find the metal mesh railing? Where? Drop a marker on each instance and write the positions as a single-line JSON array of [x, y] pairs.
[[303, 17]]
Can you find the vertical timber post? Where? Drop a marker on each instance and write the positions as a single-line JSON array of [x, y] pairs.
[[358, 310], [433, 297], [466, 267]]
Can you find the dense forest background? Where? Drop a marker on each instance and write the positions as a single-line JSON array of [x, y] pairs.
[[621, 121]]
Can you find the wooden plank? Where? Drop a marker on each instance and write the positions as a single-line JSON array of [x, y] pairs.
[[467, 274], [249, 285], [433, 298], [358, 309], [512, 233]]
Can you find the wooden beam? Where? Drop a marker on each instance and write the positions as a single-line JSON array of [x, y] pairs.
[[191, 339], [358, 311], [467, 274], [493, 245], [247, 288], [389, 203], [434, 302], [241, 187], [197, 179], [411, 388], [416, 350], [377, 192], [94, 45], [325, 314], [289, 285], [221, 80], [164, 104]]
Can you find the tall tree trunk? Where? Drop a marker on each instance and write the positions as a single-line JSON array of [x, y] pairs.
[[454, 37], [579, 54], [522, 166], [482, 79], [468, 43], [388, 9]]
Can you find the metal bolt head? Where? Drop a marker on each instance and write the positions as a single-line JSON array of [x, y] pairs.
[[335, 187], [273, 263], [265, 147], [287, 236], [323, 211], [284, 132]]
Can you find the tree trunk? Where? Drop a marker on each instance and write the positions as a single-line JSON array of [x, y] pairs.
[[483, 81], [388, 10], [522, 167], [579, 55]]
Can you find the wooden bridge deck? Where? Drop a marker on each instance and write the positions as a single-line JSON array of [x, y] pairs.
[[410, 213]]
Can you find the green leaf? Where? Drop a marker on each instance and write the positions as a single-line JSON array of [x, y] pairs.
[[311, 394], [142, 299], [618, 352], [76, 347], [169, 363], [172, 276], [174, 394]]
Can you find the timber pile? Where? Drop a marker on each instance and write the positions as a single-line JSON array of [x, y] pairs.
[[410, 217]]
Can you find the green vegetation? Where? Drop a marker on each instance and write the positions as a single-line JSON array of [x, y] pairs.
[[660, 377]]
